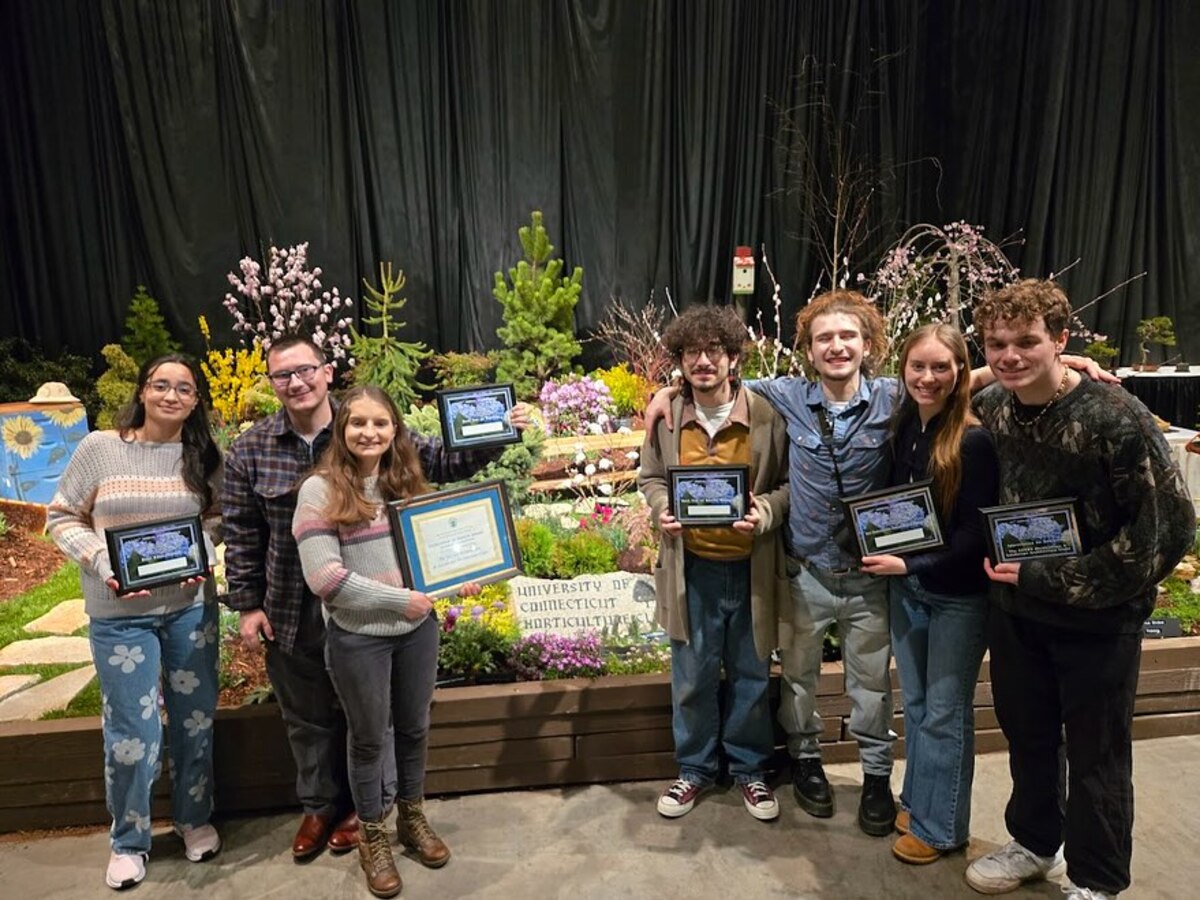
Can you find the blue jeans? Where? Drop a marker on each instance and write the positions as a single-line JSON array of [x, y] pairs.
[[858, 603], [720, 633], [133, 657], [938, 641]]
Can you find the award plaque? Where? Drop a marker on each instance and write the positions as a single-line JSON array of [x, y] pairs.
[[477, 416], [708, 495], [449, 538], [1039, 530], [152, 554], [895, 520]]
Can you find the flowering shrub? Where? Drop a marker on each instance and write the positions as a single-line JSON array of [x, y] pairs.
[[577, 405], [477, 632], [537, 657], [237, 383], [286, 302], [630, 392]]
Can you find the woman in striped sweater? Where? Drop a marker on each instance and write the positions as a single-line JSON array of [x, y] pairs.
[[160, 463], [381, 641]]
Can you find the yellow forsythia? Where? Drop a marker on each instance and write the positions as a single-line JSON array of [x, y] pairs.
[[630, 392], [235, 379]]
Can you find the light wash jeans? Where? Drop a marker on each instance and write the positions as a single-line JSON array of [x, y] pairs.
[[133, 656], [858, 603], [721, 634], [939, 642]]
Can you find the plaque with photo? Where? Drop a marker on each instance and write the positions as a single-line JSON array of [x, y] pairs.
[[1043, 529], [708, 495], [477, 416], [897, 520], [152, 554]]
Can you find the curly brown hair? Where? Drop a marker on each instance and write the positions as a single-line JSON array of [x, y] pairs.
[[400, 473], [848, 303], [1027, 301], [702, 325]]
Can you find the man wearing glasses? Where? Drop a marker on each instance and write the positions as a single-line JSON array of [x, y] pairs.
[[278, 612]]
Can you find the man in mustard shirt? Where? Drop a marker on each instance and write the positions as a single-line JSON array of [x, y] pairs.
[[717, 586]]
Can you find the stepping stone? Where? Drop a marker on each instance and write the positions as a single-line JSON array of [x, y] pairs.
[[10, 684], [41, 651], [66, 618], [34, 702]]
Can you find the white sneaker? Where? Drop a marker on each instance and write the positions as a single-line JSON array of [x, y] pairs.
[[125, 870], [199, 843], [1011, 866], [1075, 892]]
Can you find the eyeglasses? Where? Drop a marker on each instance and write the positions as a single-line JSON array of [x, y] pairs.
[[183, 390], [713, 351], [283, 379]]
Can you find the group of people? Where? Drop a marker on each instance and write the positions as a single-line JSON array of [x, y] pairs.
[[351, 652], [1064, 633]]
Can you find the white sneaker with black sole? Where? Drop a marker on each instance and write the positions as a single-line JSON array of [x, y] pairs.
[[125, 870], [200, 843]]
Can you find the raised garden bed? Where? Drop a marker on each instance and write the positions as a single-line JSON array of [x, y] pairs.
[[501, 736]]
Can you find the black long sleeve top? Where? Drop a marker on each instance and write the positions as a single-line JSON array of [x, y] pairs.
[[957, 567]]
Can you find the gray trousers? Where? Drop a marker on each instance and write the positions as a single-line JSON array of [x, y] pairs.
[[385, 683], [858, 603]]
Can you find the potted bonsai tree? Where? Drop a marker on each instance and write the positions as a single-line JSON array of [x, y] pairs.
[[1158, 330], [1104, 353]]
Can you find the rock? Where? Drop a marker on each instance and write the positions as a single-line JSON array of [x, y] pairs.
[[66, 618], [34, 702], [41, 651], [10, 684], [1185, 571]]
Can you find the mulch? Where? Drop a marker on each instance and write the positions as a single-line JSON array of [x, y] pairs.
[[25, 562]]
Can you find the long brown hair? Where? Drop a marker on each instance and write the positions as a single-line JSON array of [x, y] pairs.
[[400, 473], [945, 457]]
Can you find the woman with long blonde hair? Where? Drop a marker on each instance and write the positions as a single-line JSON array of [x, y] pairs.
[[938, 598]]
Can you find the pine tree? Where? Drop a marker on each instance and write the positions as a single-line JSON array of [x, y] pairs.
[[384, 360], [539, 314], [146, 335]]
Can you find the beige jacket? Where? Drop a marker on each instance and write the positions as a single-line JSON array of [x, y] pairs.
[[769, 590]]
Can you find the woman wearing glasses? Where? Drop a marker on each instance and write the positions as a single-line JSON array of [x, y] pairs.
[[160, 463]]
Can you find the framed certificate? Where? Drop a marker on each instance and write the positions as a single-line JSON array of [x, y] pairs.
[[152, 554], [448, 538], [708, 495], [1039, 530], [477, 416], [895, 520]]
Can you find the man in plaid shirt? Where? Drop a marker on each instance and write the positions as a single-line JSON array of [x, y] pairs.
[[262, 565]]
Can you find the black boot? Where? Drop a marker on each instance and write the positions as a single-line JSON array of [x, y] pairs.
[[877, 810], [811, 788]]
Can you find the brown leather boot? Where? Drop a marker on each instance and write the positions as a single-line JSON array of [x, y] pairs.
[[375, 856], [415, 834]]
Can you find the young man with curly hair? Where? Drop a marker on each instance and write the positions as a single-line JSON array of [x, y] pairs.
[[1065, 632], [838, 422], [717, 586]]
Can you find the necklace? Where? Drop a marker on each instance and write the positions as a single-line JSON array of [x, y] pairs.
[[1012, 399]]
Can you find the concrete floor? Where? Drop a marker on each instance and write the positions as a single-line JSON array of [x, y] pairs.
[[607, 841]]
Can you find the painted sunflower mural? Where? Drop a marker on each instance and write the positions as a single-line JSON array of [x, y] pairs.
[[35, 446], [22, 436]]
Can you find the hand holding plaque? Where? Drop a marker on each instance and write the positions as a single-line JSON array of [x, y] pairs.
[[479, 416], [1042, 529], [895, 520], [153, 554], [708, 495]]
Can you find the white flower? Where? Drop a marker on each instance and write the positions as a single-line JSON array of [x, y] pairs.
[[149, 703], [105, 708], [126, 658], [605, 464], [184, 681], [631, 455], [589, 470], [140, 823], [197, 789], [109, 772], [128, 751], [197, 722], [152, 756], [580, 456], [594, 428], [624, 429], [205, 635], [605, 489], [577, 478]]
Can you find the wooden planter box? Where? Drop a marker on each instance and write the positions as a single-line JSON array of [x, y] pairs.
[[493, 737]]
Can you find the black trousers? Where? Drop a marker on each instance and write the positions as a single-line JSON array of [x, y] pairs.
[[1047, 681]]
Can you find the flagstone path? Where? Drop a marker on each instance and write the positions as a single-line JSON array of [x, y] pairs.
[[25, 696]]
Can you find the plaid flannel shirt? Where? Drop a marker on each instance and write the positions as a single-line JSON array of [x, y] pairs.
[[263, 470]]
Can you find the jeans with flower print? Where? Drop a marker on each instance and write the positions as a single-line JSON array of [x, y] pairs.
[[134, 657]]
